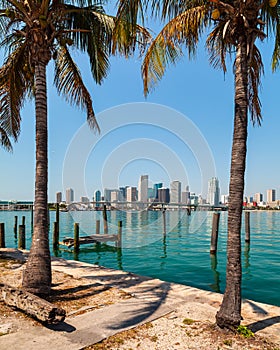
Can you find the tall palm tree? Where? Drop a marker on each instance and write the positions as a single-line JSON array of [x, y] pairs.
[[236, 26], [34, 32]]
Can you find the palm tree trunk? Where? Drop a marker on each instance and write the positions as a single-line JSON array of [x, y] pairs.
[[229, 314], [37, 275]]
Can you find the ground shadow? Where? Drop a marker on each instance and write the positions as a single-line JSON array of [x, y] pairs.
[[259, 325], [257, 309], [61, 327]]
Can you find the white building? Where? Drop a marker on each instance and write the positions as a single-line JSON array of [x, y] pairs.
[[213, 195], [270, 196], [258, 197], [175, 192], [224, 198], [69, 195], [58, 197], [143, 188], [115, 195], [131, 194]]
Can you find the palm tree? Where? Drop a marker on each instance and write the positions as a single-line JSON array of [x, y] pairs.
[[236, 26], [34, 33]]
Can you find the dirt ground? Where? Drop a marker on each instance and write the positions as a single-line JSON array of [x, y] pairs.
[[79, 295]]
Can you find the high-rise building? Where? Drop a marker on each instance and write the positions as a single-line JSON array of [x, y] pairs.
[[131, 194], [258, 197], [156, 187], [188, 194], [143, 188], [175, 192], [97, 198], [58, 196], [123, 193], [213, 196], [115, 196], [107, 194], [69, 195], [163, 195], [270, 196]]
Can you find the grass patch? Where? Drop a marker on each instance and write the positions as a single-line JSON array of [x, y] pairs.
[[188, 321], [244, 331]]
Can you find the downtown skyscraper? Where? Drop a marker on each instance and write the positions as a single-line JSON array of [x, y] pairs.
[[213, 195], [175, 192], [143, 188]]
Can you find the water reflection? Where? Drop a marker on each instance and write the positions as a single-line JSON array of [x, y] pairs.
[[216, 285]]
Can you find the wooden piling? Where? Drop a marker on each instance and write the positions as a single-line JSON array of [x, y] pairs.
[[55, 235], [21, 237], [164, 220], [215, 232], [105, 223], [119, 238], [97, 227], [247, 226], [76, 237], [23, 220], [15, 226], [32, 215], [2, 235], [57, 216]]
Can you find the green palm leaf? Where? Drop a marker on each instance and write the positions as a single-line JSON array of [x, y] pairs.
[[69, 82], [184, 29]]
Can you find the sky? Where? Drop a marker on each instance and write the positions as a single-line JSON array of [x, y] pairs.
[[181, 131]]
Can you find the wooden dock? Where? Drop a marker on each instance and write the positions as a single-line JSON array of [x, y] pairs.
[[69, 242]]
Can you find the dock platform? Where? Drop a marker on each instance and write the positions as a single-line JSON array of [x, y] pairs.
[[70, 242]]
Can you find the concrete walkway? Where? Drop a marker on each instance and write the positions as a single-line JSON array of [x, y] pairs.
[[152, 298]]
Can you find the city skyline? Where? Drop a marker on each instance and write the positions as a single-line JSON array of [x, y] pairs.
[[175, 193]]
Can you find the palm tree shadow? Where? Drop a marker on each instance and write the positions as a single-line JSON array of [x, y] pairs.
[[259, 325], [257, 309], [61, 327]]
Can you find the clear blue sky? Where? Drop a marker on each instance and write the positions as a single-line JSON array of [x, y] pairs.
[[192, 89]]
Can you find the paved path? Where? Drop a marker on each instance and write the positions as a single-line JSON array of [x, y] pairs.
[[152, 298]]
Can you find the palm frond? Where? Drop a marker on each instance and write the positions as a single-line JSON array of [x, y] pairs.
[[91, 31], [5, 140], [69, 82], [164, 50], [218, 47], [15, 82], [168, 9], [131, 12], [256, 70]]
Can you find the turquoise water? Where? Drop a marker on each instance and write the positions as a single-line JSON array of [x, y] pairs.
[[182, 255]]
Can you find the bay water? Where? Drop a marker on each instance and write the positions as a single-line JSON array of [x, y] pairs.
[[181, 255]]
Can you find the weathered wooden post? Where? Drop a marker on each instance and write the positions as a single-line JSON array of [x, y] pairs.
[[164, 220], [32, 215], [247, 226], [21, 237], [215, 232], [57, 216], [119, 238], [23, 220], [105, 223], [55, 235], [2, 235], [15, 226], [97, 228], [76, 237]]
